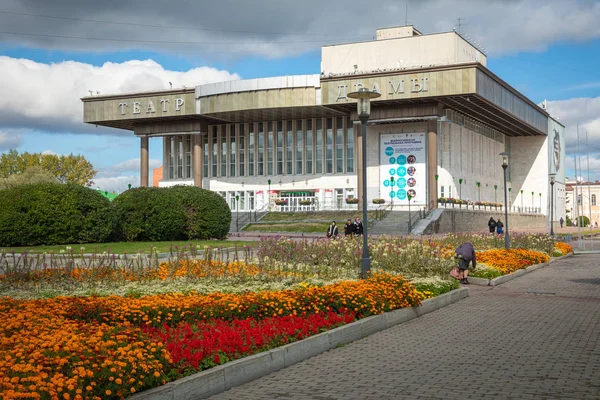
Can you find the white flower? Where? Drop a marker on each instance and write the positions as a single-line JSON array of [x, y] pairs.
[[82, 248]]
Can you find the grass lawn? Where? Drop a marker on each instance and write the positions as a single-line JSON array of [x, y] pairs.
[[307, 227], [129, 247], [326, 216]]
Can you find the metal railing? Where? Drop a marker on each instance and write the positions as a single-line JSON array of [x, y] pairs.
[[513, 210]]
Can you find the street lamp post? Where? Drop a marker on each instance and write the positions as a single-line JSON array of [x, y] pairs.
[[504, 166], [495, 193], [478, 191], [364, 96], [552, 181], [532, 205], [436, 188], [392, 186], [237, 212], [540, 203], [409, 219], [269, 195], [460, 188], [521, 200], [509, 195]]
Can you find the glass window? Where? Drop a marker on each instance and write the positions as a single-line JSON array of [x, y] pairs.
[[289, 149], [172, 158], [261, 150], [215, 148], [593, 199], [223, 150], [279, 148], [350, 147], [242, 148], [319, 147], [232, 150], [299, 146], [329, 146], [339, 146], [442, 191], [179, 157], [270, 151], [251, 144], [309, 147], [188, 156], [250, 200], [205, 158]]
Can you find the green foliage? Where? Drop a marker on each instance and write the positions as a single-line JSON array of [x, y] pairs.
[[175, 213], [582, 220], [52, 213], [30, 176], [67, 169]]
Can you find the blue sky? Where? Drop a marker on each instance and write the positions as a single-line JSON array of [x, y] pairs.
[[51, 67]]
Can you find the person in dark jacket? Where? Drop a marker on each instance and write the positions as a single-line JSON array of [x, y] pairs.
[[465, 253], [349, 228], [499, 227], [492, 225], [332, 231], [358, 226]]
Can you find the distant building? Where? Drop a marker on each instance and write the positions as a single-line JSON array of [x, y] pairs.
[[587, 195], [157, 175], [438, 128]]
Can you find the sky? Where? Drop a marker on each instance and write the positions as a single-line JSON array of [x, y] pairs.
[[52, 53]]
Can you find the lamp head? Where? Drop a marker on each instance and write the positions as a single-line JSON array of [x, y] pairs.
[[552, 178], [363, 105], [237, 197], [437, 177], [478, 184], [269, 181], [504, 156]]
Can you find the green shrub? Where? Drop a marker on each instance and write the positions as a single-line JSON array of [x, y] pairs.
[[52, 213], [173, 213], [582, 220]]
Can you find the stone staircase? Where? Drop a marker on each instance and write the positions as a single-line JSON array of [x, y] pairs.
[[245, 218], [394, 223]]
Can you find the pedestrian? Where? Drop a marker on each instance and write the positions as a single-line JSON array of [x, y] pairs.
[[332, 231], [492, 225], [358, 226], [465, 253], [499, 227], [562, 221], [349, 228]]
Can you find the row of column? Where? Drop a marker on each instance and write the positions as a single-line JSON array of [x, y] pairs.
[[197, 160]]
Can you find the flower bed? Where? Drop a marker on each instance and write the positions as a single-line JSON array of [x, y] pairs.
[[563, 247], [108, 347], [508, 261]]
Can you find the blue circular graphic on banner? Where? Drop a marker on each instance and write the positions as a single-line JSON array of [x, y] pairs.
[[401, 182], [392, 160], [401, 171], [401, 194], [389, 151], [401, 159], [386, 183], [392, 171], [392, 194]]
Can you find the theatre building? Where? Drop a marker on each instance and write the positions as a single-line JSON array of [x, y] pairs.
[[436, 130]]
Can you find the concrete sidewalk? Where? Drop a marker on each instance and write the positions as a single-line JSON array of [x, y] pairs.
[[536, 337]]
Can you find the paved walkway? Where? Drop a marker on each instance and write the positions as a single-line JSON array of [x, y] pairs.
[[536, 337]]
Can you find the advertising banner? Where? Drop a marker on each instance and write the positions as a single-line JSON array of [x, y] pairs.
[[403, 168], [556, 148]]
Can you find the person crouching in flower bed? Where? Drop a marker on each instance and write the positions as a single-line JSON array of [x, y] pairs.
[[465, 253]]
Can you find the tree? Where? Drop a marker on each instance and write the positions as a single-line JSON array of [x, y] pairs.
[[67, 169], [31, 176]]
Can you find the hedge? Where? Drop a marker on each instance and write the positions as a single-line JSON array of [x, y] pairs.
[[52, 213], [173, 213]]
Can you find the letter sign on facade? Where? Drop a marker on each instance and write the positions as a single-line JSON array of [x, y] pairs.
[[149, 107]]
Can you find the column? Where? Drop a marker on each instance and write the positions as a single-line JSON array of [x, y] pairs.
[[359, 162], [197, 159], [144, 161]]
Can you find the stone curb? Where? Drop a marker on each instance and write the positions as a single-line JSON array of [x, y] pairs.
[[505, 278], [223, 377]]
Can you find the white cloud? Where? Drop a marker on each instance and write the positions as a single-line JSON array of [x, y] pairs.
[[49, 152], [10, 138], [117, 177], [47, 96], [116, 183], [133, 164]]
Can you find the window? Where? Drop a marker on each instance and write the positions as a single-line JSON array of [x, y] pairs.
[[205, 158], [329, 146], [232, 150], [261, 150], [289, 149], [215, 148], [223, 150], [279, 148], [179, 157], [299, 146], [309, 147], [339, 146], [319, 147], [188, 156], [593, 199], [442, 192], [350, 147], [242, 148], [251, 139], [270, 148]]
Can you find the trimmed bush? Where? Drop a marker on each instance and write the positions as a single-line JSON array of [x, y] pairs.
[[173, 213], [52, 213]]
